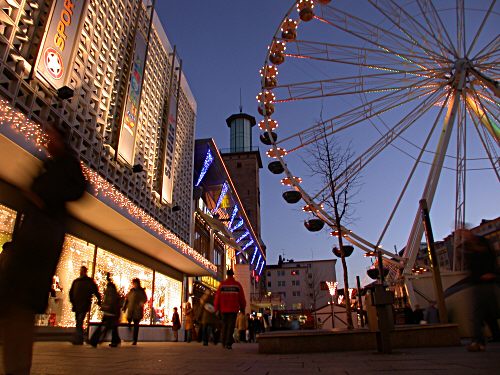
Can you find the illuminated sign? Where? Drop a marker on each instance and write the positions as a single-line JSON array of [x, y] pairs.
[[55, 59], [171, 129], [126, 143]]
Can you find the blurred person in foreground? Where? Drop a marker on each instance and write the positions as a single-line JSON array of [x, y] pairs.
[[481, 263], [134, 306], [80, 296], [206, 317], [111, 308], [26, 276], [229, 299]]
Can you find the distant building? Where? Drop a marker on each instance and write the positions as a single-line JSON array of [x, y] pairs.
[[298, 283], [490, 229]]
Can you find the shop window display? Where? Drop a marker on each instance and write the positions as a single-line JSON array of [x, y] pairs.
[[7, 221], [122, 272], [75, 253], [167, 295]]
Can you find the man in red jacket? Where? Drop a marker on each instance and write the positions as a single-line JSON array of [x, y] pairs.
[[229, 299]]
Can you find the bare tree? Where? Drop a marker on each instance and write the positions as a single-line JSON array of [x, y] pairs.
[[329, 161]]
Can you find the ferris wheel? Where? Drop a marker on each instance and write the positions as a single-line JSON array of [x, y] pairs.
[[411, 85]]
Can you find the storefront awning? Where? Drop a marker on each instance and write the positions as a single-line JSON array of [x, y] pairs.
[[18, 167], [224, 234]]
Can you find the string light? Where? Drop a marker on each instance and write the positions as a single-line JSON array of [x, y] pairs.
[[34, 135], [256, 250], [243, 236], [233, 215], [209, 158], [261, 267], [247, 245], [237, 225], [223, 192]]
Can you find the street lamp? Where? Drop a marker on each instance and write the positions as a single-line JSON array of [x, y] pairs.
[[332, 288]]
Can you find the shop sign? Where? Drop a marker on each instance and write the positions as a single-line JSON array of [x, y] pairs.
[[126, 143], [56, 56], [168, 178]]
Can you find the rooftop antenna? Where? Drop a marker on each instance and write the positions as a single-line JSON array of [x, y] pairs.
[[241, 105]]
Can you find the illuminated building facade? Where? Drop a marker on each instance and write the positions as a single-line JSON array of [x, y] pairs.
[[223, 231], [106, 73]]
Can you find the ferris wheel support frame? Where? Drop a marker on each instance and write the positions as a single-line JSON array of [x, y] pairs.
[[417, 231]]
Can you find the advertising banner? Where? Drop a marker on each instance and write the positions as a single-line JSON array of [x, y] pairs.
[[55, 59], [168, 178], [126, 142]]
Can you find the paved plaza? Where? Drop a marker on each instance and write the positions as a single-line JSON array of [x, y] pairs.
[[195, 359]]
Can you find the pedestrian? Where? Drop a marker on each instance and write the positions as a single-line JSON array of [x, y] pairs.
[[229, 299], [176, 324], [110, 307], [188, 321], [481, 263], [134, 306], [241, 326], [207, 317], [431, 314], [25, 282], [408, 314], [80, 296]]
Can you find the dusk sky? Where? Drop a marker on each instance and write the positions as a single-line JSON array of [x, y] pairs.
[[223, 45]]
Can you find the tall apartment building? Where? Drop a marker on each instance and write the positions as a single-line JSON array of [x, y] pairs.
[[107, 74], [299, 283]]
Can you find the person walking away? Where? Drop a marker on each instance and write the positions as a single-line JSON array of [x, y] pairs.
[[481, 262], [111, 306], [176, 324], [207, 317], [188, 321], [242, 326], [134, 306], [432, 313], [80, 296], [26, 276], [229, 299]]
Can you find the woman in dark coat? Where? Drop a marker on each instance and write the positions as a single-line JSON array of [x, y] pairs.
[[176, 324], [134, 306]]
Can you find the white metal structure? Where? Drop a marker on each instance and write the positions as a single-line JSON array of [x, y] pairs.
[[381, 70]]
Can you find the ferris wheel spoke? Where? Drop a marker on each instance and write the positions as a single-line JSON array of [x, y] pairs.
[[488, 118], [386, 140], [488, 144], [374, 58], [460, 18], [373, 34], [393, 12], [489, 49], [359, 114], [418, 160], [480, 29], [368, 83], [436, 26]]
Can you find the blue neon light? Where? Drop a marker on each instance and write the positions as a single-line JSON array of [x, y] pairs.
[[247, 245], [261, 267], [223, 192], [244, 235], [233, 215], [237, 225], [254, 254], [206, 164], [258, 261]]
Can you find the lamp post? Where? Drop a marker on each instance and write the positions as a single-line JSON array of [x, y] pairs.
[[332, 288]]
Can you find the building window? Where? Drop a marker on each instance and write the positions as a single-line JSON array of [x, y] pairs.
[[268, 284], [310, 275], [281, 283], [296, 282], [281, 273], [268, 273], [296, 293], [238, 165]]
